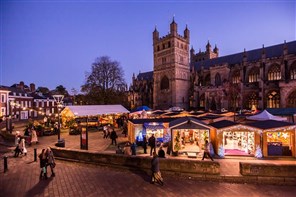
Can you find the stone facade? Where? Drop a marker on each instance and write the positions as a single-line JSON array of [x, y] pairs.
[[260, 78]]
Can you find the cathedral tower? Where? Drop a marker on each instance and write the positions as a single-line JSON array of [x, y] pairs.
[[171, 69]]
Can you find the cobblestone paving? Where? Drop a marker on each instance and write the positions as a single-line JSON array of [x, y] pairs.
[[76, 179]]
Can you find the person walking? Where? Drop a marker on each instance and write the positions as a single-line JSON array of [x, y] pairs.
[[145, 144], [50, 161], [34, 137], [43, 162], [23, 146], [156, 175], [105, 131], [207, 151], [152, 144], [113, 137]]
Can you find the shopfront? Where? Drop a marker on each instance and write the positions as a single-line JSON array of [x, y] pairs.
[[236, 139], [278, 137], [138, 128], [189, 135]]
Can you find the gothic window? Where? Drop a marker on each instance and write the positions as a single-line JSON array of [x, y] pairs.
[[253, 100], [181, 59], [208, 80], [293, 71], [273, 100], [163, 46], [253, 75], [158, 48], [202, 100], [163, 60], [274, 73], [236, 77], [292, 99], [164, 84], [217, 80], [169, 44]]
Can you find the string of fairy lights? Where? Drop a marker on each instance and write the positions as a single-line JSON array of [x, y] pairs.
[[39, 110]]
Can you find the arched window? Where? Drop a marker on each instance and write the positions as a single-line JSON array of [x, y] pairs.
[[208, 80], [164, 84], [274, 73], [235, 77], [217, 80], [253, 75], [292, 99], [293, 71], [253, 100], [273, 100], [202, 100]]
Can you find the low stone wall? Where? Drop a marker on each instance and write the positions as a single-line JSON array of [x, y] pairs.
[[267, 170], [142, 163]]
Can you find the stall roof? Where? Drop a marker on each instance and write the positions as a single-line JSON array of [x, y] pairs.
[[147, 120], [269, 124], [187, 123], [265, 115], [282, 111], [223, 123], [94, 110]]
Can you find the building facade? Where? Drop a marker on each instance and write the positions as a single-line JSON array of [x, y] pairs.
[[260, 78]]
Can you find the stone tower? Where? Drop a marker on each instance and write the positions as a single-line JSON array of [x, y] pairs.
[[171, 72]]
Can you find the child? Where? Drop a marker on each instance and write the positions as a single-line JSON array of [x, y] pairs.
[[43, 162]]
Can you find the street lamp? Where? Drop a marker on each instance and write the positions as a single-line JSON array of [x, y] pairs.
[[59, 100]]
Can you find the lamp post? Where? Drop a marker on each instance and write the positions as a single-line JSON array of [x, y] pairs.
[[59, 100]]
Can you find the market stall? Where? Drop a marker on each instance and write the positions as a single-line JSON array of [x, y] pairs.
[[138, 128], [189, 135], [101, 114], [278, 137], [236, 139]]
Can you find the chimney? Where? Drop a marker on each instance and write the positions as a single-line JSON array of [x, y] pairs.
[[22, 84], [32, 87]]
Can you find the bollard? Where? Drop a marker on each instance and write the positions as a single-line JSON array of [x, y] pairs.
[[5, 164], [35, 154]]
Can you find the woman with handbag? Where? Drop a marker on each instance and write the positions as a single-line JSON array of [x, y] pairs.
[[50, 160]]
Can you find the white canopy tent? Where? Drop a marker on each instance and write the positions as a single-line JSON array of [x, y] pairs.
[[94, 110], [265, 115]]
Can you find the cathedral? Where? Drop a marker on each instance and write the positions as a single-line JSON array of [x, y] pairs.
[[255, 79]]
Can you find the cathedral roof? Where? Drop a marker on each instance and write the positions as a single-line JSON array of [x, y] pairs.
[[253, 55], [145, 76]]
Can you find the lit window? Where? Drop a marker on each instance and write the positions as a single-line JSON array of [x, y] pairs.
[[253, 75], [274, 73], [273, 100]]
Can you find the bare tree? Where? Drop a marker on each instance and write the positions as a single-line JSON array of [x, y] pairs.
[[105, 81]]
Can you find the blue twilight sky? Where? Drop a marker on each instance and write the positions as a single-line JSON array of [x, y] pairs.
[[53, 43]]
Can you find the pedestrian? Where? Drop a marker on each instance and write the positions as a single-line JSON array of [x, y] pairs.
[[34, 137], [144, 145], [133, 148], [105, 131], [23, 146], [156, 175], [207, 151], [43, 162], [17, 149], [169, 148], [124, 128], [50, 161], [161, 152], [113, 137], [108, 131], [151, 142]]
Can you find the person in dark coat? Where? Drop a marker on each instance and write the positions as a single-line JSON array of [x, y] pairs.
[[145, 144], [152, 144], [207, 151], [113, 137], [161, 153], [156, 175]]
